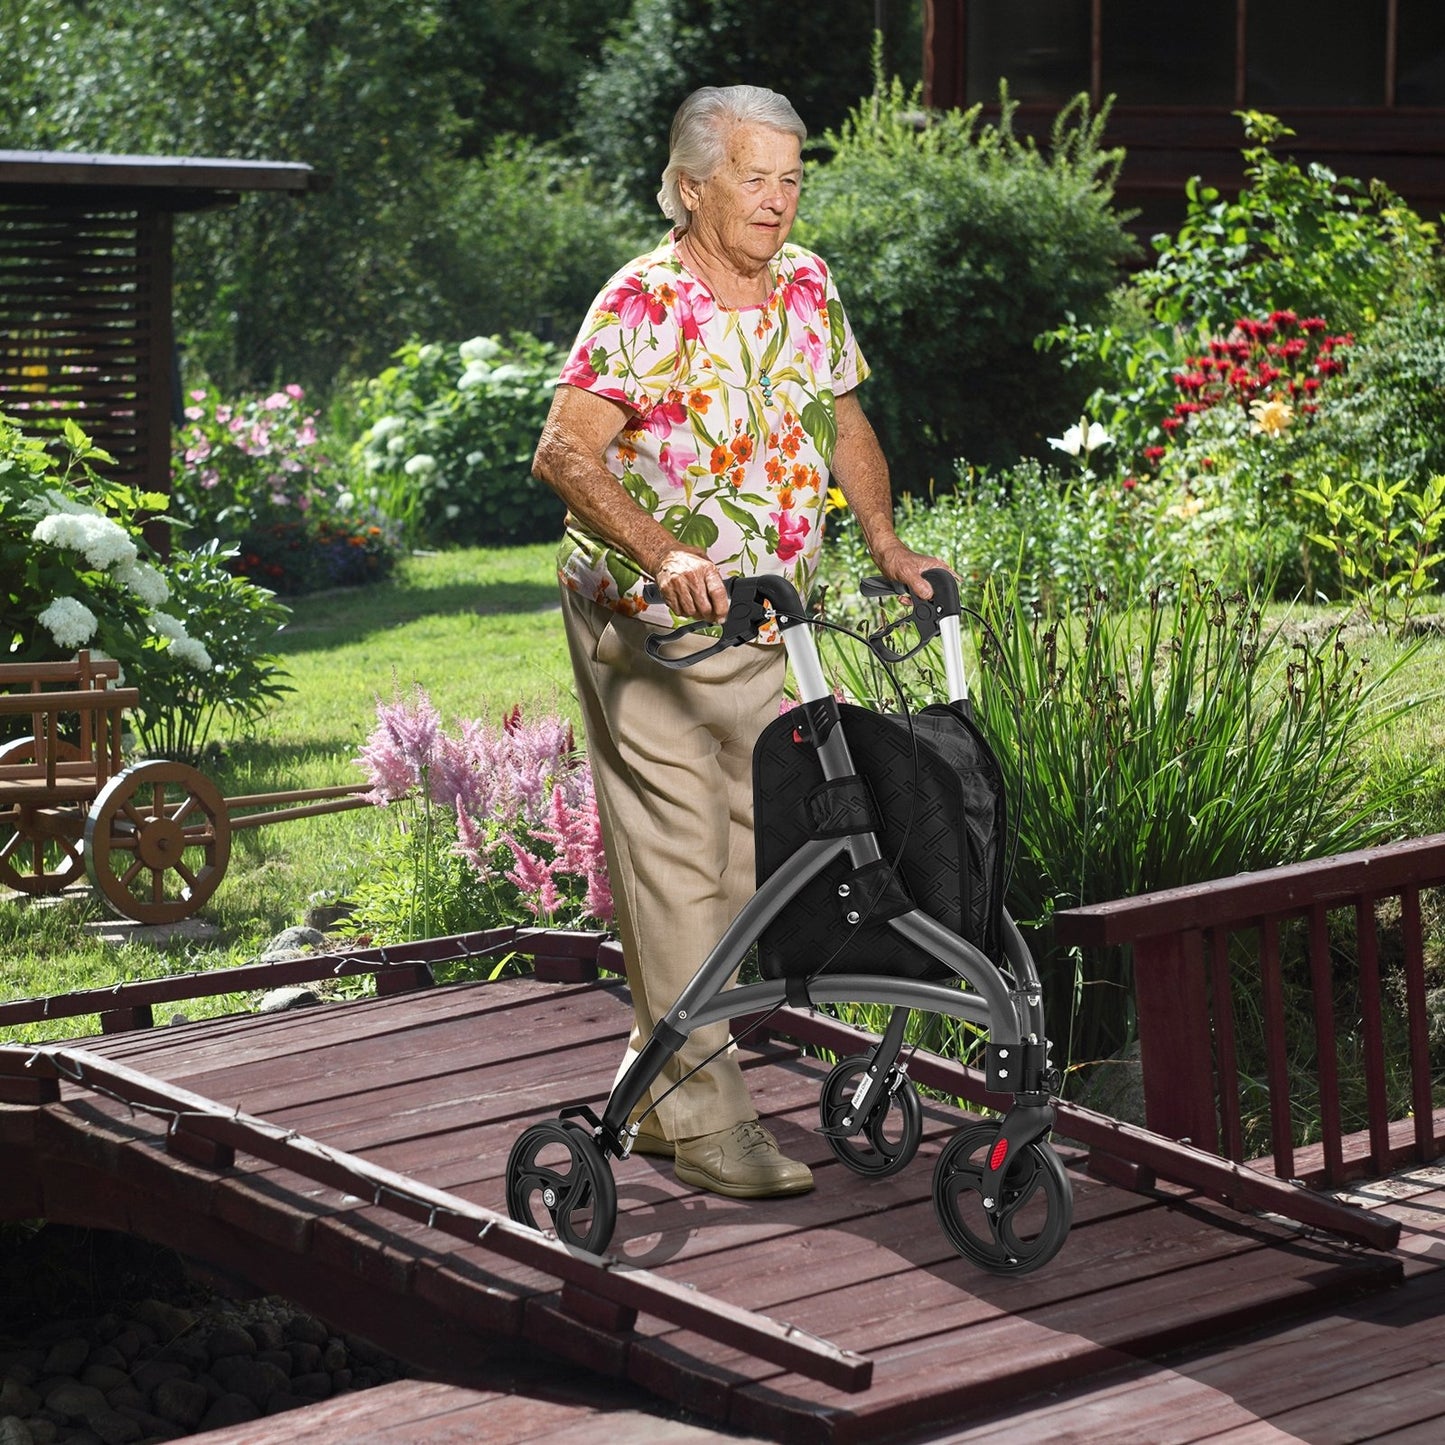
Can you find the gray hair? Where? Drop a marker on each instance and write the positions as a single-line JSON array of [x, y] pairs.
[[697, 144]]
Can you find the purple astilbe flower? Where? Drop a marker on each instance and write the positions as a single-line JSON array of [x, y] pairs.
[[532, 877], [401, 751], [534, 755]]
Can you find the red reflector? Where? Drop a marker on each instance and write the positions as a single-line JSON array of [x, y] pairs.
[[995, 1158]]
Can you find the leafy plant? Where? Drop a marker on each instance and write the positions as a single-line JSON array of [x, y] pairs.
[[240, 623], [1384, 536], [252, 473], [1296, 238], [447, 449]]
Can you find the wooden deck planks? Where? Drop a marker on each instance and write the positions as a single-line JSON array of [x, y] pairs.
[[438, 1084]]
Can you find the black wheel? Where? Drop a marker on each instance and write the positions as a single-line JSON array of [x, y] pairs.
[[558, 1177], [1021, 1229], [878, 1136]]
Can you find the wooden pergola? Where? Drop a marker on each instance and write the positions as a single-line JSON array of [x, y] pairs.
[[85, 288]]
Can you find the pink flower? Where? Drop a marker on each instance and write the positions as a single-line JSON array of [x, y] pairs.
[[665, 415], [675, 463], [632, 303], [197, 395], [804, 295], [792, 529], [695, 309], [294, 391], [276, 401]]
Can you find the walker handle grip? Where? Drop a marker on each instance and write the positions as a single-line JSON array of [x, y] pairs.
[[926, 615]]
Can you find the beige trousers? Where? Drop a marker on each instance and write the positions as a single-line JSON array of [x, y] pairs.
[[671, 756]]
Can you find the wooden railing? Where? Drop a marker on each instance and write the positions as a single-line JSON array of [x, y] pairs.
[[1197, 949]]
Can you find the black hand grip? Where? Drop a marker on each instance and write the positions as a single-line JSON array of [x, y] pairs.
[[943, 603]]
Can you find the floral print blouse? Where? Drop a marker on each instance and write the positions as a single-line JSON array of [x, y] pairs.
[[731, 421]]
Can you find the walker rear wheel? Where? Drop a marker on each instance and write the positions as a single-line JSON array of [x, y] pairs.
[[1021, 1229], [878, 1135], [558, 1177]]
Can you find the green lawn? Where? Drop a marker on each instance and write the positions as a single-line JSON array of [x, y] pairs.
[[478, 629]]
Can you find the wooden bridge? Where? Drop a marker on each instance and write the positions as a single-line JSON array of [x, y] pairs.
[[351, 1157]]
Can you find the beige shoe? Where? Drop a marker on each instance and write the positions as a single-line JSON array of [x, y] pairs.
[[742, 1162], [650, 1140]]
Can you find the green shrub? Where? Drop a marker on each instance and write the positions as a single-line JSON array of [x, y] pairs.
[[955, 244], [253, 474], [1297, 238], [76, 572], [239, 623], [450, 432]]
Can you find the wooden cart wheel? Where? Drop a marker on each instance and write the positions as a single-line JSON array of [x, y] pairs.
[[157, 839], [33, 858]]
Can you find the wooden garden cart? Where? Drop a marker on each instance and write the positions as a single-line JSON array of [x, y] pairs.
[[153, 837]]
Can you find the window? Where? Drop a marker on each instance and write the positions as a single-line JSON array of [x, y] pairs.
[[1041, 47], [1161, 54], [1300, 52], [1420, 62]]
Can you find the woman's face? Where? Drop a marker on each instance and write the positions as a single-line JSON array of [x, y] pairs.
[[745, 211]]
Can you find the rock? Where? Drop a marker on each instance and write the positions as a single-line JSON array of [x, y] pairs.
[[280, 1403], [74, 1401], [107, 1355], [229, 1410], [130, 1341], [149, 1376], [267, 1334], [256, 1380], [14, 1431], [312, 1387], [114, 1428], [307, 1329], [324, 912], [334, 1356], [168, 1321], [305, 1357], [181, 1402], [17, 1399], [66, 1356], [292, 941], [226, 1340], [279, 1000], [104, 1378], [125, 1397]]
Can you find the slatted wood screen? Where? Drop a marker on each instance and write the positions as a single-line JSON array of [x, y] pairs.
[[85, 328]]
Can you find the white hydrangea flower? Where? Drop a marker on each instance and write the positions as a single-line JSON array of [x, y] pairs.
[[164, 625], [100, 655], [192, 653], [479, 348], [144, 581], [420, 465], [103, 543], [384, 426], [476, 373], [70, 622]]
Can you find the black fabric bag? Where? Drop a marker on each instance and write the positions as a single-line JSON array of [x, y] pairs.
[[936, 793]]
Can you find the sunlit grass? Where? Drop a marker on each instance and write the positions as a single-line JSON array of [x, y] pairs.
[[478, 629]]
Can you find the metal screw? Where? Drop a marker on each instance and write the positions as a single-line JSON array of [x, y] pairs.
[[844, 890], [852, 915], [549, 1198]]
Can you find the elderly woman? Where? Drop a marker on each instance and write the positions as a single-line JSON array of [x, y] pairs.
[[705, 409]]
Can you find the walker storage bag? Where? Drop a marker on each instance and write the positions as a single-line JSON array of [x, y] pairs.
[[934, 791]]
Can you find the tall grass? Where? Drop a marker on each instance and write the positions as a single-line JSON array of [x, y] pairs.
[[1176, 741]]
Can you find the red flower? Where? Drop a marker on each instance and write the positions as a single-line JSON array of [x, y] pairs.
[[632, 303], [792, 529]]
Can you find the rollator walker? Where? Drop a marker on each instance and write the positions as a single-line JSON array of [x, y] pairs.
[[881, 843]]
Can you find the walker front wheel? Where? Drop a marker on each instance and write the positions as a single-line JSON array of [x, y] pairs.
[[557, 1176], [1025, 1225], [874, 1131]]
